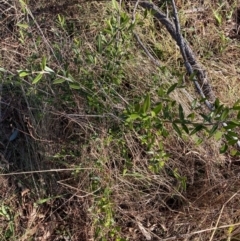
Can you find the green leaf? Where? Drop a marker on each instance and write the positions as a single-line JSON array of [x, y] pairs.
[[23, 73], [99, 43], [213, 130], [177, 121], [70, 79], [181, 113], [167, 114], [197, 129], [165, 132], [75, 86], [237, 153], [37, 78], [161, 92], [216, 103], [153, 114], [44, 62], [44, 200], [137, 107], [110, 26], [158, 108], [23, 3], [47, 69], [218, 111], [185, 128], [233, 152], [194, 104], [145, 13], [206, 117], [224, 115], [191, 116], [218, 135], [22, 25], [218, 17], [231, 125], [233, 134], [58, 81], [2, 70], [236, 106], [176, 128], [232, 140], [173, 103], [172, 88], [4, 211], [115, 4], [224, 148], [199, 141], [131, 27], [146, 104]]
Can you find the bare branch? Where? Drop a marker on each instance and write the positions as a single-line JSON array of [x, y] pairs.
[[203, 87], [155, 61]]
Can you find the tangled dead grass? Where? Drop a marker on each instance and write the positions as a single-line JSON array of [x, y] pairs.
[[106, 189]]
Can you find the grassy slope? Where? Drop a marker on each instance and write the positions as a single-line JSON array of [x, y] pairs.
[[114, 186]]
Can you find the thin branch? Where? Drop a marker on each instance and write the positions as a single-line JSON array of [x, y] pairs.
[[204, 88], [179, 38], [180, 42], [155, 61]]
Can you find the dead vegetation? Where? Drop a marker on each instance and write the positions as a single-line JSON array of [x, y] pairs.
[[72, 169]]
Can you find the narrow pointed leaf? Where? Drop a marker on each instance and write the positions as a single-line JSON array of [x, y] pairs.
[[172, 88], [176, 128], [37, 78], [224, 115], [213, 130], [224, 148], [181, 113], [44, 62], [236, 105], [58, 81], [197, 129], [158, 108], [146, 104], [75, 86], [99, 43], [23, 73], [185, 128], [47, 69]]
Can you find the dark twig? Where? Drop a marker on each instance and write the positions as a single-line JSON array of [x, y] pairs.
[[203, 88], [155, 61], [180, 42]]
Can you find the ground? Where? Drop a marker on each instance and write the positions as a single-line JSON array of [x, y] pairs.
[[88, 149]]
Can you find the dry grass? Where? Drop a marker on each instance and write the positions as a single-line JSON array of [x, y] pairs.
[[101, 184]]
